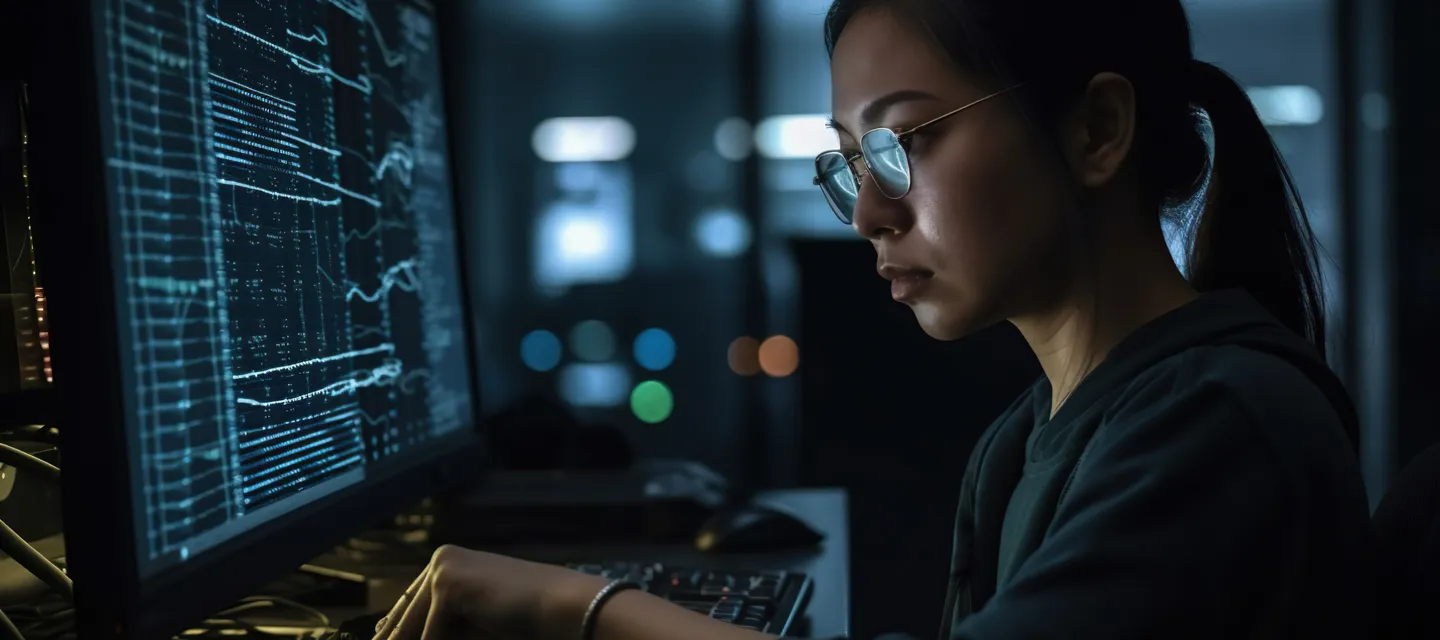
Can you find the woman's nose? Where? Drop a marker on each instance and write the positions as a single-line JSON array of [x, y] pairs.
[[876, 215]]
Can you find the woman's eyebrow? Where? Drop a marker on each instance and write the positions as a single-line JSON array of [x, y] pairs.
[[878, 107]]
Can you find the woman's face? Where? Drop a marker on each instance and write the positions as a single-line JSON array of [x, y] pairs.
[[978, 237]]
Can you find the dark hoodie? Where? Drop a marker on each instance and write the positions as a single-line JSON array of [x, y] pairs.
[[1202, 482]]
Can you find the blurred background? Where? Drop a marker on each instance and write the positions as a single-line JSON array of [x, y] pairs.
[[653, 255]]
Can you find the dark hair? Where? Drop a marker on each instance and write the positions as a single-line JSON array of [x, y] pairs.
[[1252, 232]]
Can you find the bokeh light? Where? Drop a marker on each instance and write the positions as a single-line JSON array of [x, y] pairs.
[[540, 350], [744, 356], [734, 139], [594, 384], [779, 356], [652, 402], [654, 349], [592, 341], [722, 233]]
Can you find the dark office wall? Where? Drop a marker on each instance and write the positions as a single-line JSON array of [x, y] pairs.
[[1415, 133]]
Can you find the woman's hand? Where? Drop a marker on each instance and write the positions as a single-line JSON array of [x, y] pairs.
[[471, 594]]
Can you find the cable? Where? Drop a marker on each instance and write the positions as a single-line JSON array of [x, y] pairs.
[[276, 601], [35, 433], [21, 460], [8, 630], [18, 549], [45, 619]]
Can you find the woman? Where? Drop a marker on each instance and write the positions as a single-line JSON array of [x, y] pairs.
[[1186, 467]]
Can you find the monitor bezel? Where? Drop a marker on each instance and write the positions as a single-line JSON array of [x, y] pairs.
[[69, 176]]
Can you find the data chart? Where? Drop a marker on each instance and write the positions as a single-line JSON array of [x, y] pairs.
[[284, 233]]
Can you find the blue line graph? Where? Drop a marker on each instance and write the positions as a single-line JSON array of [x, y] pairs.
[[360, 11], [271, 208], [386, 348], [313, 145], [401, 275], [293, 56], [359, 380], [333, 202], [317, 37]]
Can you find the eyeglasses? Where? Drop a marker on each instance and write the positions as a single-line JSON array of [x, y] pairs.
[[885, 153]]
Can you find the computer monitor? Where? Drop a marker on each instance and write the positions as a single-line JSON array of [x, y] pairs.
[[262, 342]]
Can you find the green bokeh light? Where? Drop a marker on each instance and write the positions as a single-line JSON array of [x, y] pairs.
[[652, 402]]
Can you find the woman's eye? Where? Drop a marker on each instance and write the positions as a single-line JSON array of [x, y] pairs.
[[912, 142]]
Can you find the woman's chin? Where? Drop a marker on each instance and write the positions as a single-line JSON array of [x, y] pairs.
[[936, 322], [945, 323]]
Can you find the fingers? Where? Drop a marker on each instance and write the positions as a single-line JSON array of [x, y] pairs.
[[436, 627], [385, 628], [412, 622]]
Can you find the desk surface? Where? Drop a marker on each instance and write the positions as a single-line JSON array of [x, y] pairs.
[[829, 566]]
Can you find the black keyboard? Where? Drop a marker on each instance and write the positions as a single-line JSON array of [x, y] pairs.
[[766, 601]]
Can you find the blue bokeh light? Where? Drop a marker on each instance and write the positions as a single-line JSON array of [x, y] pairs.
[[654, 349], [540, 350], [722, 233], [604, 384]]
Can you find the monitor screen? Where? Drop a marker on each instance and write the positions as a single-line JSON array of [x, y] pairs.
[[283, 233]]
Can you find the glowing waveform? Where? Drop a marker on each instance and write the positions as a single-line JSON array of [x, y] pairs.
[[380, 223], [384, 348], [405, 381], [343, 191], [383, 374], [251, 92], [314, 145], [318, 37], [387, 281], [293, 56], [362, 332], [361, 84], [401, 160], [358, 11], [289, 428], [373, 420], [290, 424], [289, 196]]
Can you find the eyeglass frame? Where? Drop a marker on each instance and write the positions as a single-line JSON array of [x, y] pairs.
[[902, 138]]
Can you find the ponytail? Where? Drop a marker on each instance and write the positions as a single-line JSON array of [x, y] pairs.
[[1253, 233]]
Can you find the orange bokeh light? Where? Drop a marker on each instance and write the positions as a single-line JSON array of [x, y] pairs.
[[744, 356], [779, 356]]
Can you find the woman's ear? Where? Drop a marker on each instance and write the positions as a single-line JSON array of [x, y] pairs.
[[1100, 131]]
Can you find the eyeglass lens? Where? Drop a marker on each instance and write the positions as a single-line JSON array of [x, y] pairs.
[[887, 162]]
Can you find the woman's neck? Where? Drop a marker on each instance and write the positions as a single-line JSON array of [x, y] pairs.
[[1123, 291]]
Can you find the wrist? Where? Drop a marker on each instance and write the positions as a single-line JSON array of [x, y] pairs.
[[563, 606]]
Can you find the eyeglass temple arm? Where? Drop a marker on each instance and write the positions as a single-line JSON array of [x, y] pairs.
[[951, 113]]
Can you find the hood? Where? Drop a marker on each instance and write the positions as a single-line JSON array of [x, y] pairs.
[[1219, 318]]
